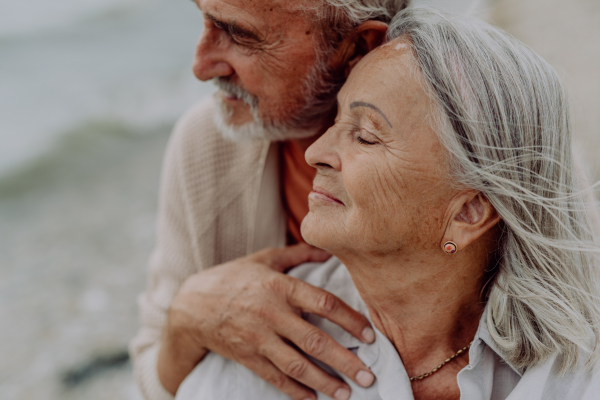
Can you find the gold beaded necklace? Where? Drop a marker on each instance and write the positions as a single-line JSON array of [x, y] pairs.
[[446, 361]]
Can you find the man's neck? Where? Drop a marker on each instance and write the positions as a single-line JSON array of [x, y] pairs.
[[429, 307]]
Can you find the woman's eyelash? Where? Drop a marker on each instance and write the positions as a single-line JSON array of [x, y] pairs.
[[363, 141], [355, 132]]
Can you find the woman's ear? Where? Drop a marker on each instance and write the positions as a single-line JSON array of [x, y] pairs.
[[472, 215], [366, 37]]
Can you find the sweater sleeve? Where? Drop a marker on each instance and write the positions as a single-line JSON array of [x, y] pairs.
[[171, 262], [207, 212]]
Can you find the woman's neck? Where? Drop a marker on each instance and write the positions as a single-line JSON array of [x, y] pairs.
[[428, 305]]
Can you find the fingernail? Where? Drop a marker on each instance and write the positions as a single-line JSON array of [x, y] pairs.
[[342, 394], [365, 378], [368, 334]]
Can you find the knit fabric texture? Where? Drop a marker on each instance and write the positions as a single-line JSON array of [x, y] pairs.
[[209, 202]]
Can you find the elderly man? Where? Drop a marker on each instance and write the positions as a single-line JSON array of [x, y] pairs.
[[235, 182]]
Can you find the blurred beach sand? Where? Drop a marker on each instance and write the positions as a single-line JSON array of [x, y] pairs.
[[76, 229], [77, 226]]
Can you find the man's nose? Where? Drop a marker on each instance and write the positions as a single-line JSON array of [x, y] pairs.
[[210, 60]]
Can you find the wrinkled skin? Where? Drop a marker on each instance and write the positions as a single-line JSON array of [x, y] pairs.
[[383, 203], [381, 167], [269, 65]]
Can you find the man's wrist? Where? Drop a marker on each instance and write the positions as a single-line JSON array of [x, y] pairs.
[[176, 360]]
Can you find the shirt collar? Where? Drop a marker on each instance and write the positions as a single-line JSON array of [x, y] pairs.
[[484, 338]]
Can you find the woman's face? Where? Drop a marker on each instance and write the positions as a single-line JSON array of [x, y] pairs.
[[382, 180]]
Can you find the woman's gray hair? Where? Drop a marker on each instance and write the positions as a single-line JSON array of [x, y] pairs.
[[502, 114]]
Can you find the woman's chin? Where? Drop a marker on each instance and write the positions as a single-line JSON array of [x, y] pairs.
[[315, 232]]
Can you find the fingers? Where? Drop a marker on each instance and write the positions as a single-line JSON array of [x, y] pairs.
[[321, 346], [283, 259], [272, 374], [320, 302], [299, 368]]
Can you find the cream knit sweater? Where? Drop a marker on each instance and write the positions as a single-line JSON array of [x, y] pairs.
[[219, 200]]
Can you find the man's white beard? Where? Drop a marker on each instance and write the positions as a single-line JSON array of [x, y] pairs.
[[320, 89], [256, 129]]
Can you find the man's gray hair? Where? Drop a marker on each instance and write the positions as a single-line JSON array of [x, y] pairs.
[[359, 11], [335, 19], [502, 114]]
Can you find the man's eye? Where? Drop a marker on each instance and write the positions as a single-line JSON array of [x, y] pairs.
[[240, 38], [240, 41]]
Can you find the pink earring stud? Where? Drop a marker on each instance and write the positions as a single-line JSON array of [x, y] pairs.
[[450, 247]]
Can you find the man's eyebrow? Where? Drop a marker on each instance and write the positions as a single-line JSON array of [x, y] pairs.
[[234, 28], [355, 104]]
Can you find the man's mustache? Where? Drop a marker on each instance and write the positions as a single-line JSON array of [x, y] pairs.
[[232, 89]]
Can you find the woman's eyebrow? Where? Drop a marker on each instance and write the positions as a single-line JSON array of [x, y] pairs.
[[355, 104]]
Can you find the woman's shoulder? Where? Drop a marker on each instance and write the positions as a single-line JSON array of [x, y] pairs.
[[582, 383], [219, 378]]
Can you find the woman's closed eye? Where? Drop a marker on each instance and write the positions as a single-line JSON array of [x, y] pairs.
[[365, 137], [363, 141]]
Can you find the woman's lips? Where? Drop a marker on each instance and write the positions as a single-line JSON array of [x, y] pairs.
[[322, 195]]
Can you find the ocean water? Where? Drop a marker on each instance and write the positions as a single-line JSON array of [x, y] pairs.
[[89, 91], [65, 63]]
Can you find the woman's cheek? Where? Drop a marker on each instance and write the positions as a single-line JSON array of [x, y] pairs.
[[372, 189], [367, 210]]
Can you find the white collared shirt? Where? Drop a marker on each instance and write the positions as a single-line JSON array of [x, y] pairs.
[[487, 377]]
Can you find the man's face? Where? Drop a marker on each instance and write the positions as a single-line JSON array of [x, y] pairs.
[[262, 55]]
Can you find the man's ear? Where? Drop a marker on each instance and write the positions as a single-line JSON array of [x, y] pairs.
[[472, 215], [366, 37]]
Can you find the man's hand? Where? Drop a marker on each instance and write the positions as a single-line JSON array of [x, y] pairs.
[[248, 311]]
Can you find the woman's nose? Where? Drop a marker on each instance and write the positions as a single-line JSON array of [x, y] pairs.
[[323, 154], [210, 60]]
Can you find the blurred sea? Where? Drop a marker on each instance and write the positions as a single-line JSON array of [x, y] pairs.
[[89, 91], [68, 63]]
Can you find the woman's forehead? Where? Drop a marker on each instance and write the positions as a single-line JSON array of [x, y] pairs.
[[388, 78]]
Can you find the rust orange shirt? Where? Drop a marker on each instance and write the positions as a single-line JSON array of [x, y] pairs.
[[297, 184]]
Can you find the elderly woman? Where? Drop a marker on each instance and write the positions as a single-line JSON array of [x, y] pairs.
[[446, 192]]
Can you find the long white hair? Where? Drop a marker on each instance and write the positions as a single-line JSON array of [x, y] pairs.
[[502, 114]]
